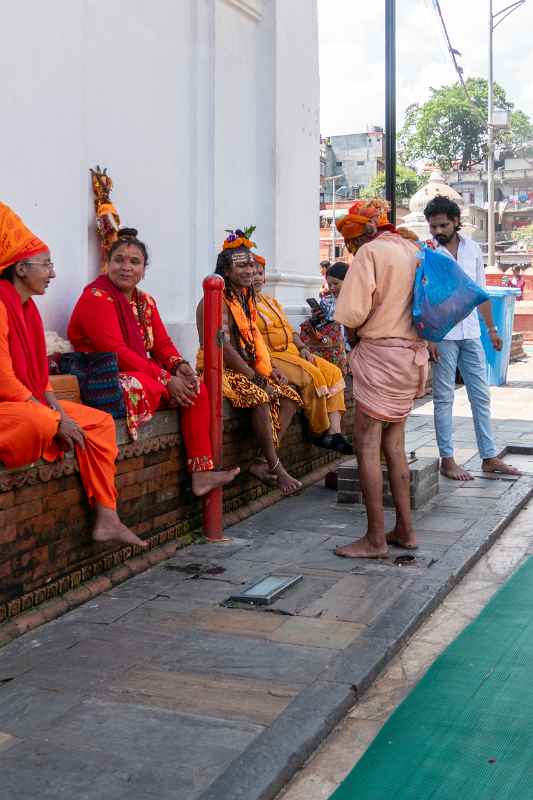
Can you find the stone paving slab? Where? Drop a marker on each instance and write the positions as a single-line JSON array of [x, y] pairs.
[[158, 689], [224, 697]]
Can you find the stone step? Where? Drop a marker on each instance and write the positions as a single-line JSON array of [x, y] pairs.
[[423, 482]]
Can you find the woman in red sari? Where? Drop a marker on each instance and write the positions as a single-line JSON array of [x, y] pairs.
[[113, 315]]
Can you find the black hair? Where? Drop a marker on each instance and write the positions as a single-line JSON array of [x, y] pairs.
[[128, 236], [8, 274], [224, 264], [337, 270], [443, 205]]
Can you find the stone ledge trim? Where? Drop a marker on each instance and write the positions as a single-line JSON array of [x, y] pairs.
[[44, 472]]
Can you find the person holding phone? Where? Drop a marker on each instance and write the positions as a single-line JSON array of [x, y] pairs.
[[335, 276], [325, 337]]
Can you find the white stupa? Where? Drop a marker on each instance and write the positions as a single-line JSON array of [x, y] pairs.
[[435, 186]]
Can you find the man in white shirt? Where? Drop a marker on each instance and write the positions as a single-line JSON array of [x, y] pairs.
[[462, 349]]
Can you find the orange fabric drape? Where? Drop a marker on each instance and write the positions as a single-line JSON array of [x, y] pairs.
[[17, 242], [251, 339], [27, 432], [28, 428]]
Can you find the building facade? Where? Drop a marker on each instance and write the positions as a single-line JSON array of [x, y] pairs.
[[355, 157], [204, 119], [513, 194]]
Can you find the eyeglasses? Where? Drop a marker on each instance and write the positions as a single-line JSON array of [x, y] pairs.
[[49, 265]]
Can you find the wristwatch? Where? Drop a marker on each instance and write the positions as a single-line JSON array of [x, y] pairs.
[[494, 329]]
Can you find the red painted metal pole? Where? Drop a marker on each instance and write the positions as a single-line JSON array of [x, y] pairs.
[[213, 287]]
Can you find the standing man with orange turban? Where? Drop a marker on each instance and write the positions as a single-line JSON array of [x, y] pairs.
[[389, 364], [33, 423]]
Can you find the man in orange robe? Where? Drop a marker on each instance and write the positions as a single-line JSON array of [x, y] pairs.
[[33, 424]]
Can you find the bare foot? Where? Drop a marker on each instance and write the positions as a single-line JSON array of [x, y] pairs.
[[450, 469], [109, 528], [261, 471], [499, 466], [401, 537], [362, 548], [286, 483], [204, 482]]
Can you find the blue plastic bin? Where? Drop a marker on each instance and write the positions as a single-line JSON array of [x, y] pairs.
[[502, 299]]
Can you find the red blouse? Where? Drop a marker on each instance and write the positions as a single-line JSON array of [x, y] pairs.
[[94, 328]]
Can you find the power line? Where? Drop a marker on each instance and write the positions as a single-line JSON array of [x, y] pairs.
[[454, 53]]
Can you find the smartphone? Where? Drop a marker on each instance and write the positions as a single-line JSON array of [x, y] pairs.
[[314, 304]]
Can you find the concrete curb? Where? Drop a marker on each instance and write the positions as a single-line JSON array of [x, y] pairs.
[[266, 766]]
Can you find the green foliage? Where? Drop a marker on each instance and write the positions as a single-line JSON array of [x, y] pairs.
[[407, 183], [451, 132]]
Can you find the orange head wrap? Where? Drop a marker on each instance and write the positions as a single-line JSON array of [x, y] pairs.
[[259, 259], [17, 242], [364, 217]]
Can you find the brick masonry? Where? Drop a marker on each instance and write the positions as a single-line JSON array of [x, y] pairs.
[[424, 483], [45, 521]]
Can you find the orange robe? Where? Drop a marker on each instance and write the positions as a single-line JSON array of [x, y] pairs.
[[27, 430]]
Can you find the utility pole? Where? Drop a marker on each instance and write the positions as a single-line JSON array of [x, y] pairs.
[[494, 21], [333, 178], [390, 106], [491, 229]]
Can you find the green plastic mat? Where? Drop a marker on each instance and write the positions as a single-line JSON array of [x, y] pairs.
[[465, 732]]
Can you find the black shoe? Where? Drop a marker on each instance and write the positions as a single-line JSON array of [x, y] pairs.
[[325, 441], [341, 444]]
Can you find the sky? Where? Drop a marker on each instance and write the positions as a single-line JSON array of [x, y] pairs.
[[352, 62]]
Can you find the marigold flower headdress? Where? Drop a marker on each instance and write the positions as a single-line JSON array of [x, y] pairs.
[[239, 238]]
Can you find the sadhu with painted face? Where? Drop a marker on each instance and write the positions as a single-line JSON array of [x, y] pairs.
[[250, 380]]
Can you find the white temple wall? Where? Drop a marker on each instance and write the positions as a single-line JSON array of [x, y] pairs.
[[204, 112]]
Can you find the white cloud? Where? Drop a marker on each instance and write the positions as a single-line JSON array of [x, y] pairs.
[[352, 45]]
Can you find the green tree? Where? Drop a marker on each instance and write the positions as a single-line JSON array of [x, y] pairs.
[[452, 132], [407, 183]]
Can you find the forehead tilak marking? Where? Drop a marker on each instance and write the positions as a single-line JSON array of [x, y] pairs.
[[240, 258]]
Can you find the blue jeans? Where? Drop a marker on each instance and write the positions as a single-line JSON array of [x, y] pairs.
[[468, 355]]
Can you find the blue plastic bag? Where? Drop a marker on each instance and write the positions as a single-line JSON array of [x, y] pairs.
[[443, 295]]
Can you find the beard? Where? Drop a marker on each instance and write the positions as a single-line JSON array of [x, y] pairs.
[[443, 238]]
